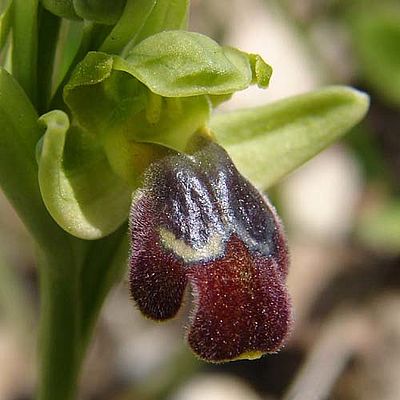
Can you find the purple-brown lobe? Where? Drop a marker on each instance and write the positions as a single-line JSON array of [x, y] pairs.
[[157, 278], [241, 303]]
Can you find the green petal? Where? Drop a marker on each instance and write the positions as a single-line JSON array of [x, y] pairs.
[[80, 190], [266, 143], [261, 70], [178, 120]]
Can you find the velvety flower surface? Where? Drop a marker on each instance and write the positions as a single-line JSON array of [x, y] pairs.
[[198, 221]]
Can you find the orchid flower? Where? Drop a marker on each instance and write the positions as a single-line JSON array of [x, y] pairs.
[[119, 130]]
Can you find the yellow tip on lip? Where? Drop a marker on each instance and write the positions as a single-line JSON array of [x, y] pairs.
[[250, 355]]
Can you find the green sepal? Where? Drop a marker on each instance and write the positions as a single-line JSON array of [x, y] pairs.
[[268, 142], [80, 190], [180, 64]]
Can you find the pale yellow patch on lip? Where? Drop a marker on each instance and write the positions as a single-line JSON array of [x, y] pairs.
[[250, 355], [212, 249]]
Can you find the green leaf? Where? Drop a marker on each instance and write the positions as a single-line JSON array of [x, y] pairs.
[[61, 8], [133, 19], [24, 45], [80, 190], [179, 63], [143, 18], [166, 15], [376, 41], [5, 23], [100, 11], [266, 143], [19, 134]]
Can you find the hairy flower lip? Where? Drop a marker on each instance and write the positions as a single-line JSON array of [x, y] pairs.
[[198, 221], [241, 306]]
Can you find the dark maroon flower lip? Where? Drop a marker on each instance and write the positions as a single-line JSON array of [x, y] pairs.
[[198, 221], [242, 308]]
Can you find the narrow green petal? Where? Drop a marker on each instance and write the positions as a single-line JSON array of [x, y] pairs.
[[266, 143], [261, 70], [79, 188]]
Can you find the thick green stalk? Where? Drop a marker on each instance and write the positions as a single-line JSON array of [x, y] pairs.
[[105, 262], [59, 324]]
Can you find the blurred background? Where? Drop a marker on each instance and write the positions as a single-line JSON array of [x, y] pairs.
[[342, 216]]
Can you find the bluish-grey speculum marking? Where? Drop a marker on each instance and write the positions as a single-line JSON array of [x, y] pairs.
[[203, 195]]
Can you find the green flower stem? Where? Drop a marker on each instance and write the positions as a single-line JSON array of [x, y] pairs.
[[75, 277], [24, 49], [105, 263], [59, 324], [49, 28]]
